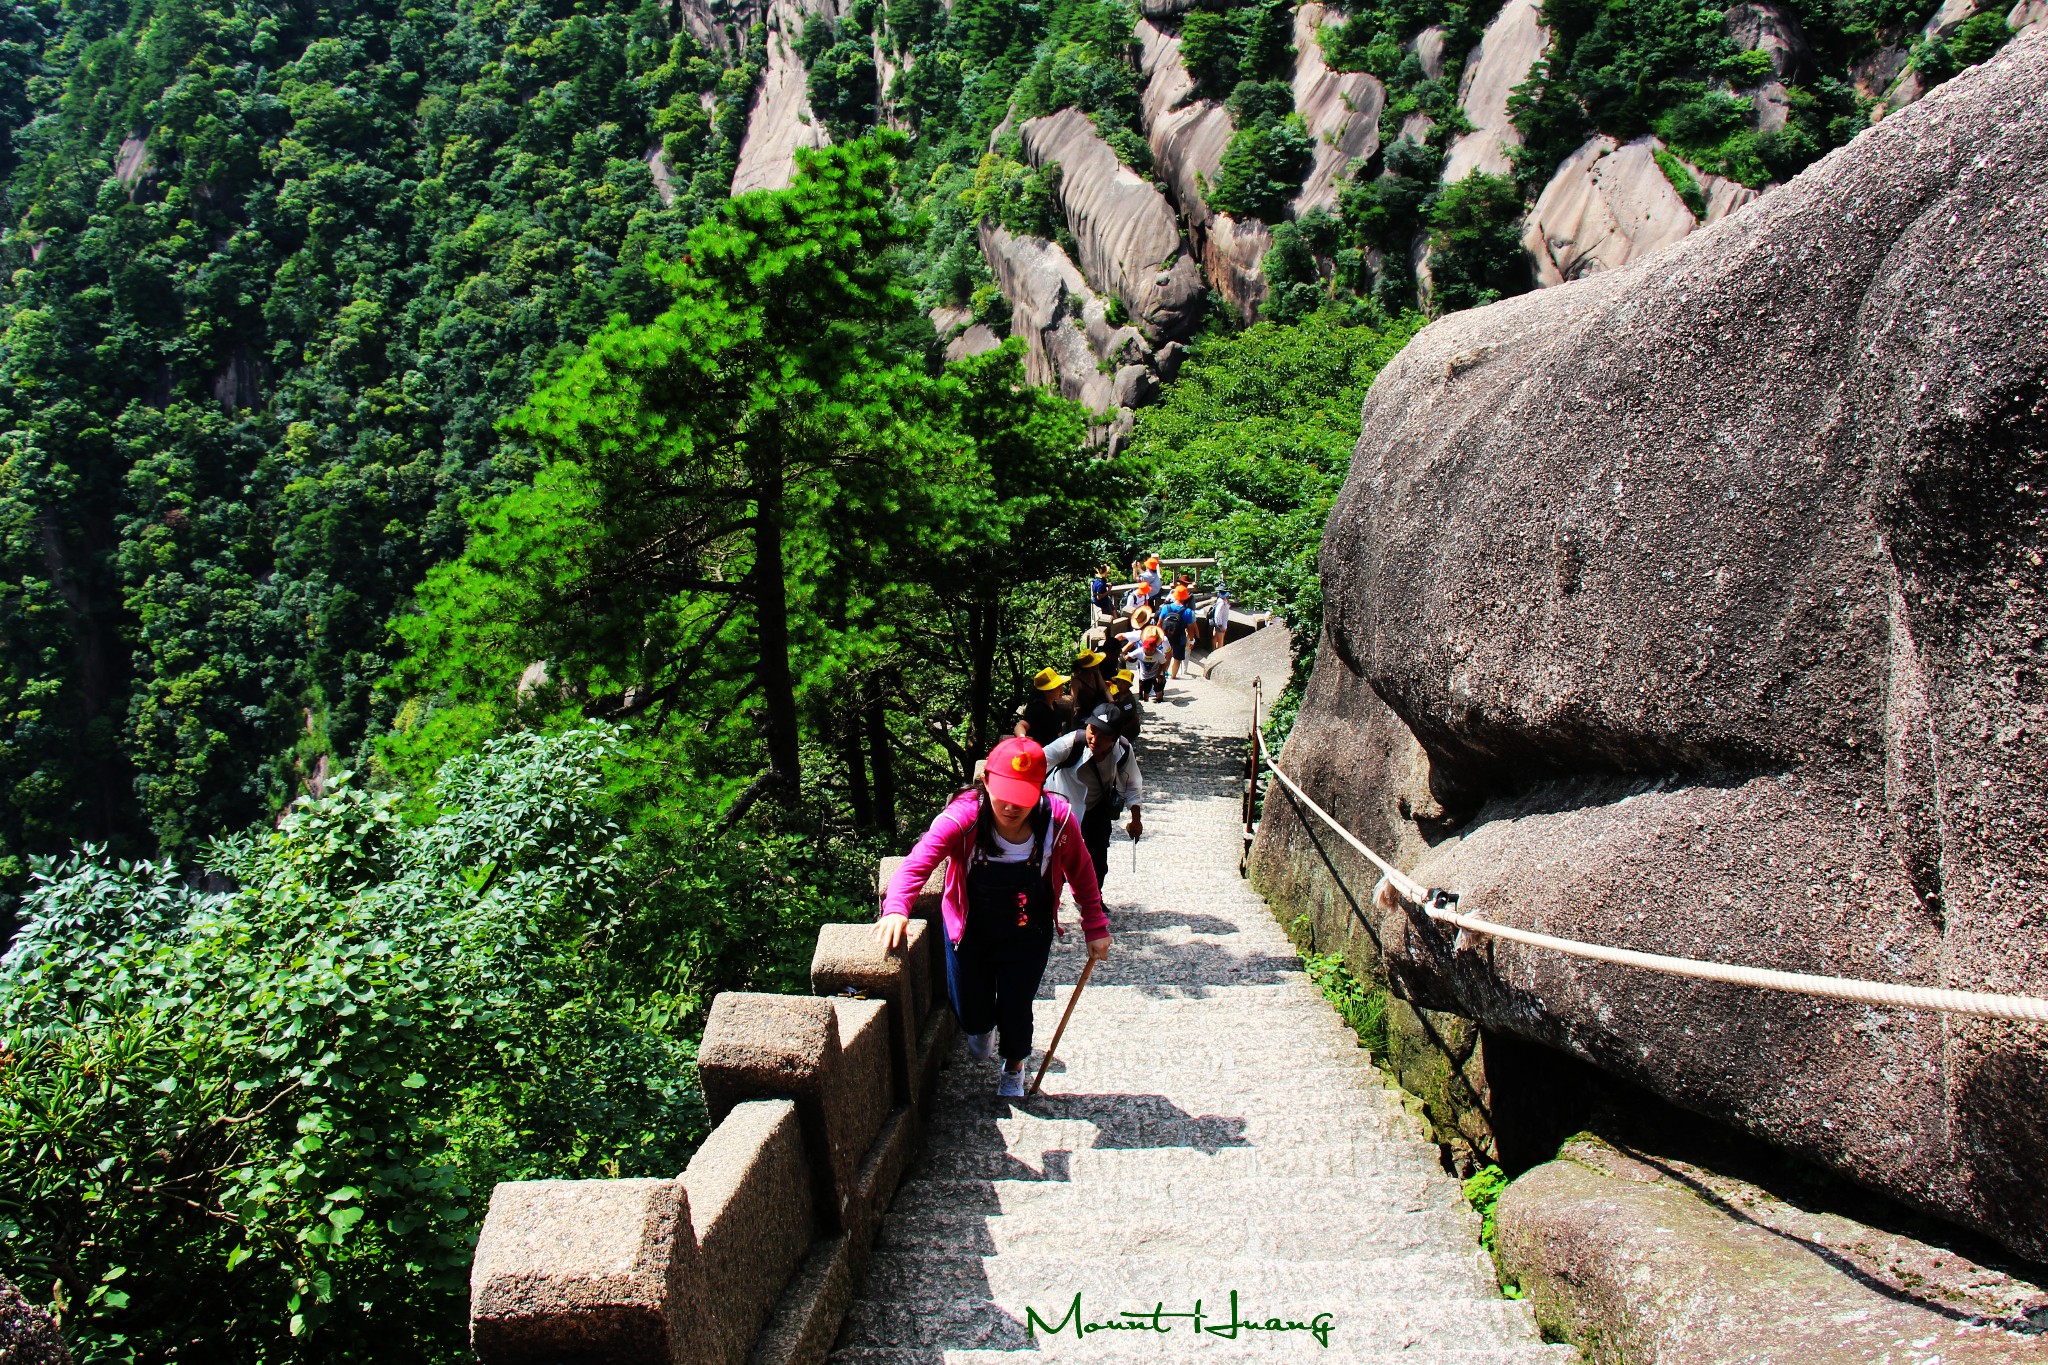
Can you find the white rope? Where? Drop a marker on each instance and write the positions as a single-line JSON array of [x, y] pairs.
[[1984, 1003]]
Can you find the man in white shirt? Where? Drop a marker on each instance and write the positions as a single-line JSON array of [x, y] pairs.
[[1096, 770]]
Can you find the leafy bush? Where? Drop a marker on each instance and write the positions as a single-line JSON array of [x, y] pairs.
[[1361, 1005], [264, 1117], [1483, 1189], [1682, 181], [1475, 243], [1263, 168]]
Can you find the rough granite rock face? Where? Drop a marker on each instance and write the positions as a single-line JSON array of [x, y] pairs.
[[1641, 1260], [2026, 14], [1512, 43], [1340, 108], [27, 1336], [781, 120], [1188, 138], [1125, 230], [1699, 607], [1068, 340]]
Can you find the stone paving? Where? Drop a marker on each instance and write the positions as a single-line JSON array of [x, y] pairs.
[[1208, 1127]]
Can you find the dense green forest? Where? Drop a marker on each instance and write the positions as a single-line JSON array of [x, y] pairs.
[[444, 577]]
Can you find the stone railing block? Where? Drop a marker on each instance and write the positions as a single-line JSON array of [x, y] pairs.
[[750, 1202], [861, 1093], [849, 961], [759, 1047], [587, 1269]]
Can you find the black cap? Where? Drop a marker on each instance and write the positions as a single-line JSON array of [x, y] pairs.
[[1105, 717]]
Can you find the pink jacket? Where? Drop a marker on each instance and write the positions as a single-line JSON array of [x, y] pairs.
[[952, 837]]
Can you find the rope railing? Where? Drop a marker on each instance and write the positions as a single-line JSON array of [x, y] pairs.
[[1440, 906]]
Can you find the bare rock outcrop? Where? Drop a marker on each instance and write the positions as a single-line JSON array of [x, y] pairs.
[[1070, 343], [962, 334], [2027, 14], [1341, 110], [1608, 204], [1129, 240], [781, 121], [1512, 44], [1188, 138], [27, 1335], [1698, 606]]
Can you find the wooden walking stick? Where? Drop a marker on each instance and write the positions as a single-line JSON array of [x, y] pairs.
[[1053, 1046]]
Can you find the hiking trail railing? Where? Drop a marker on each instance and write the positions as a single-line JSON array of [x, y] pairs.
[[1440, 905]]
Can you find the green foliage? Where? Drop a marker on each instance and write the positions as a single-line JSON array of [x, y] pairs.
[[1483, 1189], [1361, 1005], [842, 81], [1246, 451], [263, 1118], [1682, 181], [1625, 68], [1475, 243], [1263, 168], [1978, 37], [1223, 48], [247, 393]]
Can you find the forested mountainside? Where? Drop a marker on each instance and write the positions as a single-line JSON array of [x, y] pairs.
[[275, 272]]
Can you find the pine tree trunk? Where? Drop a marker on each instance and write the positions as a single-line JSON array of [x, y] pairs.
[[771, 633], [878, 752], [984, 616]]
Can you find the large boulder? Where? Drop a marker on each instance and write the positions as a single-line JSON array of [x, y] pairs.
[[1698, 606]]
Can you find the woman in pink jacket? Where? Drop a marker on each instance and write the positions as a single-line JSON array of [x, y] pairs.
[[1009, 849]]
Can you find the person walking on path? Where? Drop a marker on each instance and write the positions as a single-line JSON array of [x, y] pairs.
[[1219, 619], [1046, 713], [1123, 695], [1148, 656], [1095, 769], [1099, 593], [1088, 688], [1010, 848], [1177, 618]]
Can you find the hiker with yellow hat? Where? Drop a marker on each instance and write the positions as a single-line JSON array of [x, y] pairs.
[[1089, 688], [1123, 695], [1046, 713], [1010, 847]]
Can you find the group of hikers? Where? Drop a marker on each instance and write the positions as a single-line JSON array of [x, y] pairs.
[[1039, 815]]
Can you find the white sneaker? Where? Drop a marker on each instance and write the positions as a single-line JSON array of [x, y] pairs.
[[1011, 1086], [982, 1046]]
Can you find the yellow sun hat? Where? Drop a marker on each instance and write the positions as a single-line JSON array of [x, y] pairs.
[[1046, 680]]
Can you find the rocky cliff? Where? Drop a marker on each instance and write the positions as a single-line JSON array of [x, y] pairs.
[[1698, 606]]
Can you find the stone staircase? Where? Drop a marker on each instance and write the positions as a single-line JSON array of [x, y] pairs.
[[1209, 1127]]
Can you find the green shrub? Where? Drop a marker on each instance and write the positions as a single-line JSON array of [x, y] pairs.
[[1682, 180], [1263, 168], [265, 1118], [1361, 1005], [1475, 243], [1483, 1189]]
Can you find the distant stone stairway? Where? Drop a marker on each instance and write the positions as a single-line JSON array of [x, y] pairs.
[[1209, 1126]]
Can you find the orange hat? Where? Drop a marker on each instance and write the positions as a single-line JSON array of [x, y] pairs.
[[1180, 594], [1016, 772], [1153, 562]]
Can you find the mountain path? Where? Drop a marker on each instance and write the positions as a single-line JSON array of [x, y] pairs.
[[1209, 1126]]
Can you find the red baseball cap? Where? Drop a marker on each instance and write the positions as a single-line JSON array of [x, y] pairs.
[[1016, 772]]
